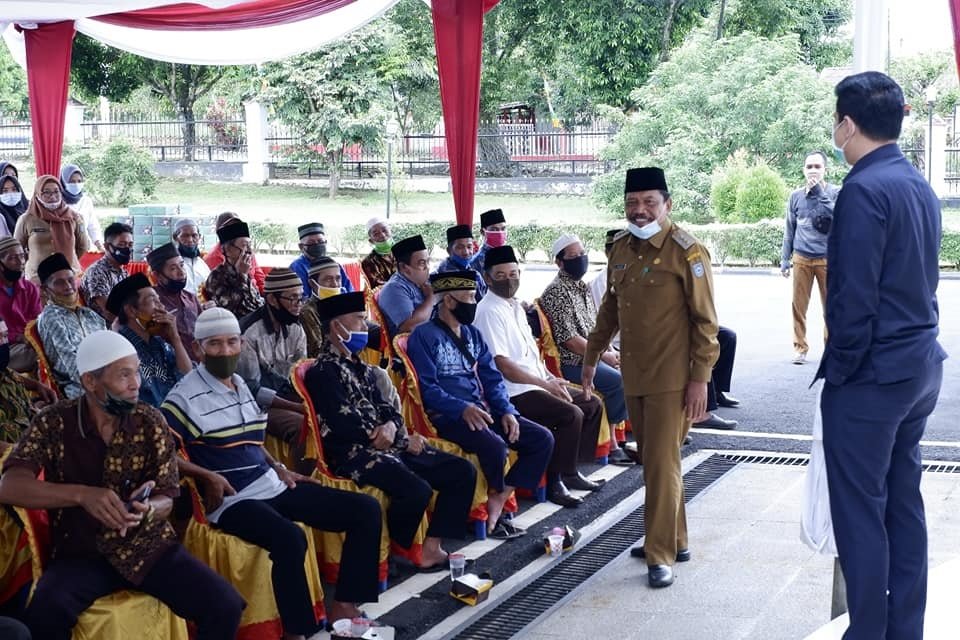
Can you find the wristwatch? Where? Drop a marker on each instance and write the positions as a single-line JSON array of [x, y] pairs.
[[279, 466]]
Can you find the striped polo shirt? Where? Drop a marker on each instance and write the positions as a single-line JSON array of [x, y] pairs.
[[222, 429]]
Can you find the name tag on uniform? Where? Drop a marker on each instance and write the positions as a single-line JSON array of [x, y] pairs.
[[619, 267], [697, 269]]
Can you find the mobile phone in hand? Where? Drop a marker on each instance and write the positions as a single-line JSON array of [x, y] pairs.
[[141, 497]]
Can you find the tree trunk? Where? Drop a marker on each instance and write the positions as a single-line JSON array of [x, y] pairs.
[[492, 153], [188, 127], [668, 30], [723, 7], [335, 160]]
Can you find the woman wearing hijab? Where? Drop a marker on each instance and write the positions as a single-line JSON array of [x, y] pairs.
[[50, 226], [13, 204], [71, 187]]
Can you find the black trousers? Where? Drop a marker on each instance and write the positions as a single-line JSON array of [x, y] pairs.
[[723, 369], [575, 426], [269, 524], [409, 480], [190, 588]]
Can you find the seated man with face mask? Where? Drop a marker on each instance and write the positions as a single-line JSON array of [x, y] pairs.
[[493, 228], [167, 266], [313, 248], [325, 281], [231, 284], [461, 248], [366, 440], [274, 341], [379, 264], [105, 273], [466, 400]]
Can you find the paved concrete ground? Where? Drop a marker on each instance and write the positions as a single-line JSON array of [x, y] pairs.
[[750, 578]]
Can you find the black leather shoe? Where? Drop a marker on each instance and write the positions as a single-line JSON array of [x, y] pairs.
[[580, 483], [557, 493], [683, 555], [716, 422], [659, 575], [727, 401], [619, 458]]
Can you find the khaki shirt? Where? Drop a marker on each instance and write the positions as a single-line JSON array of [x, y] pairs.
[[660, 296]]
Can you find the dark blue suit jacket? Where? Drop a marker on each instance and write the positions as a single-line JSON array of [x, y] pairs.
[[882, 274]]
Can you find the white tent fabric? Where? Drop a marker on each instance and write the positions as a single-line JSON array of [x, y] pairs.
[[237, 46]]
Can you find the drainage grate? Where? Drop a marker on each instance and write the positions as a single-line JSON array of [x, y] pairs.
[[532, 601], [797, 461]]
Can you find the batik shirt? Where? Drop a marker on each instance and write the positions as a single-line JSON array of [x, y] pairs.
[[158, 366], [63, 441], [233, 291], [348, 401], [378, 268], [102, 276], [61, 331], [14, 406], [568, 305]]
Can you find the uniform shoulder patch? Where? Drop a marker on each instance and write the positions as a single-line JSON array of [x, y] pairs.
[[682, 238], [621, 234]]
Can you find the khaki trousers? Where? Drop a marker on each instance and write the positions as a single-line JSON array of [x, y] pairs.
[[659, 426], [805, 270]]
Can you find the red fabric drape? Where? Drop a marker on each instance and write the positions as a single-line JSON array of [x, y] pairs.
[[458, 32], [49, 47], [246, 15]]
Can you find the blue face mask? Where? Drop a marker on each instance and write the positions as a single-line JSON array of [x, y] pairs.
[[357, 341], [838, 150], [463, 263]]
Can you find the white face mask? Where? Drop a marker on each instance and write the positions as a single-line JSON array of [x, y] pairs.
[[645, 232], [53, 206], [74, 188], [11, 198]]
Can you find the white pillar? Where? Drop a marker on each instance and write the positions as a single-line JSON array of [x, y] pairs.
[[104, 131], [938, 156], [256, 169], [72, 124], [870, 35]]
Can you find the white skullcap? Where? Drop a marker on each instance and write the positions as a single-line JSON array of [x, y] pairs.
[[101, 348], [374, 221], [216, 321], [184, 222], [563, 242]]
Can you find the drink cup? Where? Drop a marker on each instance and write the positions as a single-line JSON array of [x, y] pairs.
[[556, 545], [458, 563]]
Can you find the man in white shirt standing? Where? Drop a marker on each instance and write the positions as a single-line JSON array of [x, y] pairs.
[[186, 237], [537, 395]]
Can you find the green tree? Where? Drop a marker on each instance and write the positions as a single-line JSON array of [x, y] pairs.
[[13, 87], [409, 67], [334, 97], [712, 98], [916, 74], [816, 22]]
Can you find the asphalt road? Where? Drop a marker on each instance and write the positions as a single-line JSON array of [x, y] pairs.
[[775, 396]]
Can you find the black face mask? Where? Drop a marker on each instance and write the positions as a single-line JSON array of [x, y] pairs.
[[175, 286], [504, 288], [188, 252], [117, 406], [283, 316], [121, 255], [465, 312], [576, 267], [10, 275], [316, 251], [4, 355], [221, 367]]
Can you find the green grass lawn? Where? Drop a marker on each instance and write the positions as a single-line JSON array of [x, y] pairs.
[[296, 205]]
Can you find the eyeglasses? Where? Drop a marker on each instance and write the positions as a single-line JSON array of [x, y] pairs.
[[294, 300], [47, 193]]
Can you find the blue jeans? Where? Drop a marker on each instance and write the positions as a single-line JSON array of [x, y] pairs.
[[608, 382]]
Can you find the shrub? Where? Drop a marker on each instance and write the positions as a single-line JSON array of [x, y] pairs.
[[118, 173], [723, 186], [272, 235], [760, 195], [950, 248]]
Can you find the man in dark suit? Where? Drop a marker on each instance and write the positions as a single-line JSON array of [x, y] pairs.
[[882, 364]]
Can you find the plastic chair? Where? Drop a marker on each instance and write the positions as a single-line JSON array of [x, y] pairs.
[[388, 354], [247, 567], [415, 416], [329, 543]]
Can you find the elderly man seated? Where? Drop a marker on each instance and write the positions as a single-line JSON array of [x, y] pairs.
[[325, 281], [274, 341], [461, 248], [365, 438], [216, 256], [313, 248], [379, 265], [221, 427], [64, 322], [407, 299], [467, 402], [99, 454], [537, 395], [186, 239], [19, 304], [230, 285], [169, 271], [152, 331]]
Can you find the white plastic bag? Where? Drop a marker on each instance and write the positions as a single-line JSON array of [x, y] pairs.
[[816, 525]]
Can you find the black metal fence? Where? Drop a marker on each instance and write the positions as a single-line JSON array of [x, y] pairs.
[[168, 140]]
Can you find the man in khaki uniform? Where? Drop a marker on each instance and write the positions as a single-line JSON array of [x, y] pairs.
[[660, 298]]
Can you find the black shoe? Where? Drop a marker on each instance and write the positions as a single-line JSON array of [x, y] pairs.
[[580, 483], [659, 575], [716, 422], [683, 555], [727, 401], [504, 530], [619, 458], [557, 494], [687, 440]]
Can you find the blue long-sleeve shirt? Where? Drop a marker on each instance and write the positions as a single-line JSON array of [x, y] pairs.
[[448, 383], [301, 266], [882, 312], [449, 264]]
